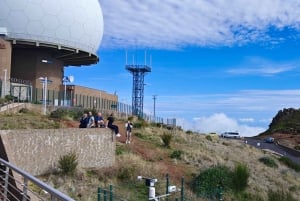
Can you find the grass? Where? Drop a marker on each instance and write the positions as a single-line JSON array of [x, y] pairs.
[[147, 156]]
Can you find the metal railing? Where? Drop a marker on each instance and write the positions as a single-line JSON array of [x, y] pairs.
[[18, 185]]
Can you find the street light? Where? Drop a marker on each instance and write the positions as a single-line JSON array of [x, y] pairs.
[[5, 75], [65, 80], [44, 81], [154, 100]]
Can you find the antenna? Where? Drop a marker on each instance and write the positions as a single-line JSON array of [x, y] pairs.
[[150, 60], [145, 57]]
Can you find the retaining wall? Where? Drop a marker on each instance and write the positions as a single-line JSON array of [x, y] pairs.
[[37, 151]]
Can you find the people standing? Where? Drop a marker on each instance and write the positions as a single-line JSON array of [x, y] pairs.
[[128, 126], [115, 128]]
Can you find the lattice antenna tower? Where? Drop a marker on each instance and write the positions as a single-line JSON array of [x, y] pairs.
[[138, 72]]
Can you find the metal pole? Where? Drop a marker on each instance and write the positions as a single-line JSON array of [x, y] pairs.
[[99, 194], [111, 193], [167, 184], [154, 99], [45, 96], [182, 189], [5, 74], [65, 92]]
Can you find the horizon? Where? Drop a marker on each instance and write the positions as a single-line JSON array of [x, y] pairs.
[[216, 66]]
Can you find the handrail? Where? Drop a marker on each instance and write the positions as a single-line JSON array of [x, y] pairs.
[[27, 177]]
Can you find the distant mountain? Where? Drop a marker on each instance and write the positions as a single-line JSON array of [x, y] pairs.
[[286, 121]]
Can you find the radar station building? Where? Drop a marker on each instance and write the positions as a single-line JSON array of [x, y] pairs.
[[38, 39]]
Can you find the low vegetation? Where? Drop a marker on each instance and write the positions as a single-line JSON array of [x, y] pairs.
[[208, 168]]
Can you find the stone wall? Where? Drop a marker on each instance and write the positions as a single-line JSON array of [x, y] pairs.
[[38, 151]]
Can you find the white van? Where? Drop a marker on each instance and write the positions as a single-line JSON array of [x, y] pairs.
[[230, 135]]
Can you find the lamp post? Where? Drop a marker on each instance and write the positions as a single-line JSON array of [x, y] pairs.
[[154, 100], [65, 80], [5, 77], [44, 81]]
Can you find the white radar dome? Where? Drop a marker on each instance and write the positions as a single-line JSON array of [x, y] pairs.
[[76, 24]]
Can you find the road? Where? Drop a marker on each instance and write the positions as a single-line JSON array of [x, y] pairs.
[[271, 146]]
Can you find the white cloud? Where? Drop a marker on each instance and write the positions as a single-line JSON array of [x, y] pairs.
[[172, 23], [262, 67], [219, 123]]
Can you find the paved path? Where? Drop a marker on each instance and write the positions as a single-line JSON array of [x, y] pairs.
[[273, 147]]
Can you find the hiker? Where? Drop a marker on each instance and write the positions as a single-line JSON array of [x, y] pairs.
[[110, 125], [128, 127]]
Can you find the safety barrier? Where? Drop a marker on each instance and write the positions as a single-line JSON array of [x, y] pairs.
[[18, 185]]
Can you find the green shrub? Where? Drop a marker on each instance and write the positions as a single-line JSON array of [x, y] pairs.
[[189, 132], [166, 138], [297, 147], [66, 113], [207, 183], [126, 172], [141, 123], [280, 196], [208, 137], [119, 150], [68, 163], [268, 162], [245, 196], [2, 101], [24, 110], [176, 154], [240, 177], [291, 164]]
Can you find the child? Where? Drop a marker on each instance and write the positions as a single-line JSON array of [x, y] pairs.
[[128, 127]]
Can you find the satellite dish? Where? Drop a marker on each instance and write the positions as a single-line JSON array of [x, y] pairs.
[[71, 78]]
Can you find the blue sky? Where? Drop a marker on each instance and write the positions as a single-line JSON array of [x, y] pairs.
[[216, 65]]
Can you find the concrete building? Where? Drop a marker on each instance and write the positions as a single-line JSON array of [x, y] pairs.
[[38, 39]]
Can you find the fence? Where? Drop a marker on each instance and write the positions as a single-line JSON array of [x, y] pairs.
[[18, 185], [148, 190], [23, 92]]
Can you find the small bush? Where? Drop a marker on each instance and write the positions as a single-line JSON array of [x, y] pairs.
[[176, 154], [68, 163], [24, 110], [291, 164], [189, 132], [209, 138], [166, 138], [2, 101], [240, 177], [141, 123], [119, 150], [268, 162], [208, 182], [126, 172], [297, 147]]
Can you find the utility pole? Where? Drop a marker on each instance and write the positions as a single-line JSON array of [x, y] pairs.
[[154, 100], [5, 80]]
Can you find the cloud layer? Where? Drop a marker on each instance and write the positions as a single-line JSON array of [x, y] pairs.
[[173, 24]]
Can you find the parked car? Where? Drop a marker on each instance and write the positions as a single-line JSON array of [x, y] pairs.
[[230, 135], [269, 140]]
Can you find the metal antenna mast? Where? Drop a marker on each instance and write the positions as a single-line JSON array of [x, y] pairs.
[[138, 72]]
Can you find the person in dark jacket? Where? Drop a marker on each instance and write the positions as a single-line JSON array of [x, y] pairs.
[[84, 120], [115, 128]]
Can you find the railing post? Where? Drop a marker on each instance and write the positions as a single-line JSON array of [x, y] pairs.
[[110, 193], [99, 194], [167, 185], [6, 182], [104, 195], [182, 189], [25, 186]]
